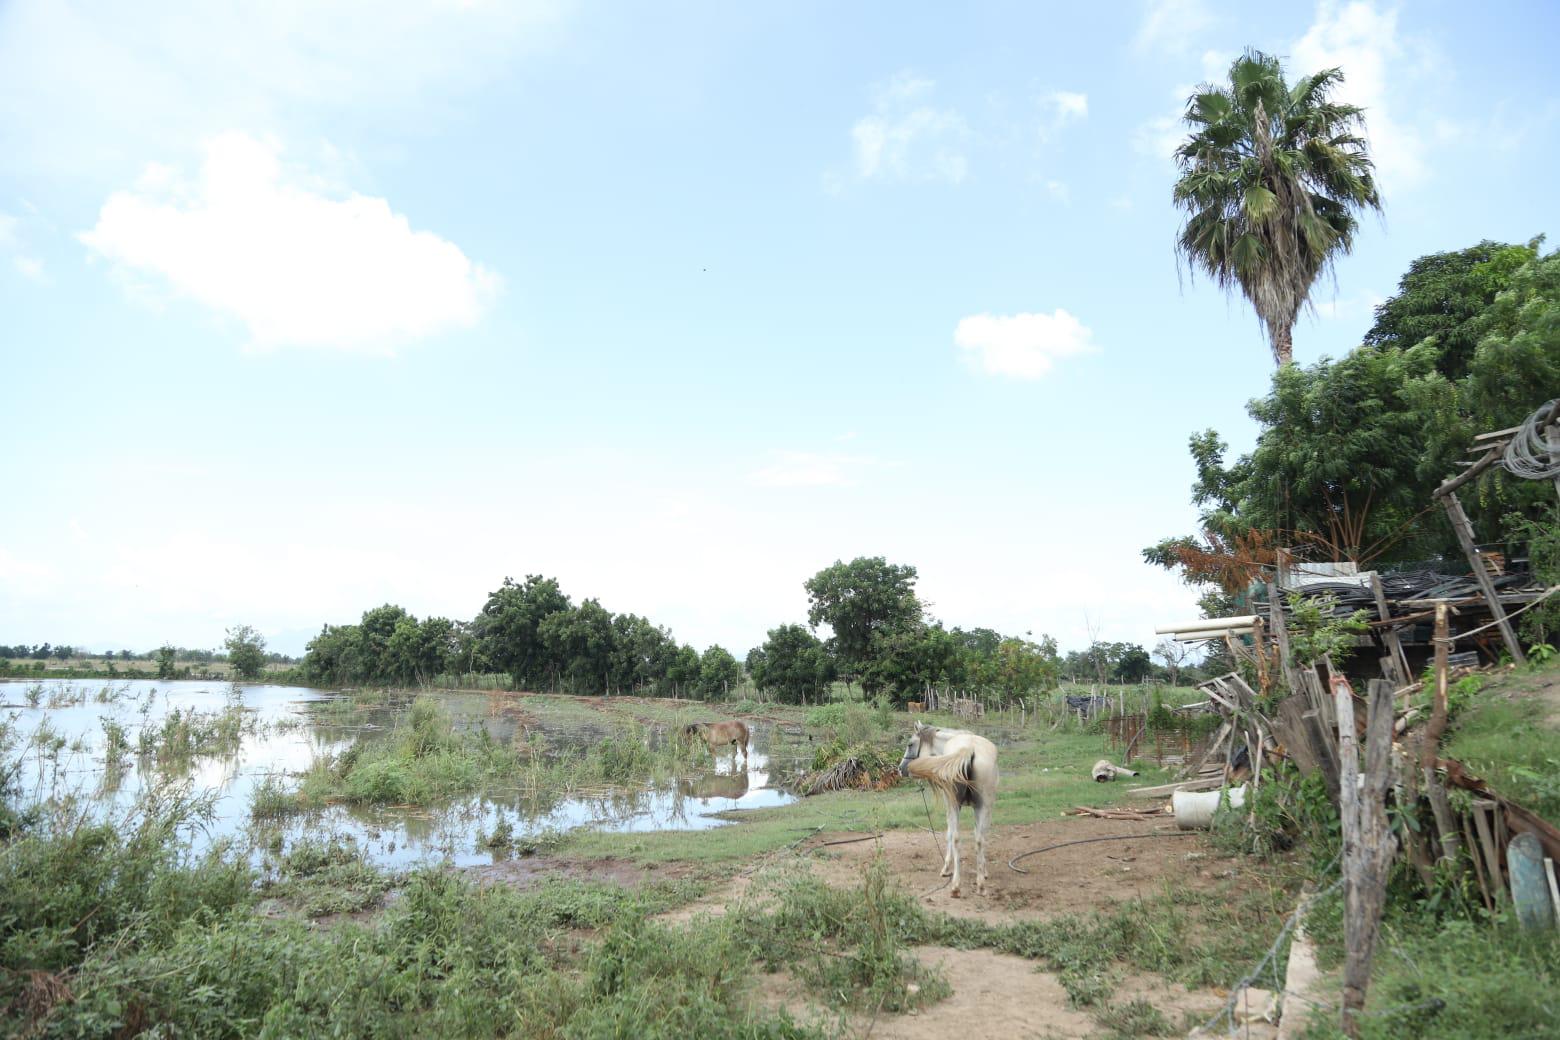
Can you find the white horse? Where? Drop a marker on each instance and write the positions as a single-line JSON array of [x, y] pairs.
[[962, 767]]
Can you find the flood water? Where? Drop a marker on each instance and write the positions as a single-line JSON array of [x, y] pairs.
[[61, 729]]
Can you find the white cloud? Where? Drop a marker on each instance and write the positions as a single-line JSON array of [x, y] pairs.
[[906, 138], [298, 268], [1058, 191], [810, 469], [1364, 42], [1172, 25], [1024, 346], [89, 89], [1059, 108], [25, 263], [1065, 105]]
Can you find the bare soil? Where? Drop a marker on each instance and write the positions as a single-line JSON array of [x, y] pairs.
[[995, 994], [1077, 877]]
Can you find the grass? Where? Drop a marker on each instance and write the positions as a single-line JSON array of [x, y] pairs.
[[1509, 733], [327, 877]]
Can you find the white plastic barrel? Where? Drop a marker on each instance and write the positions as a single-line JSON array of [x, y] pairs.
[[1194, 809]]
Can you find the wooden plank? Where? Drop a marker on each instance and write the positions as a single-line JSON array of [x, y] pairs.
[[1389, 634], [1464, 531], [1497, 433], [1478, 865], [1481, 825]]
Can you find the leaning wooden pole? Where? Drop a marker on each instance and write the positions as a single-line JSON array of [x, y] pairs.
[[1464, 531], [1368, 842], [1429, 751]]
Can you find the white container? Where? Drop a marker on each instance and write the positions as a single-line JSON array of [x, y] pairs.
[[1194, 809]]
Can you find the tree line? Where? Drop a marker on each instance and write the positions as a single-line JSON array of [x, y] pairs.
[[877, 637], [530, 631]]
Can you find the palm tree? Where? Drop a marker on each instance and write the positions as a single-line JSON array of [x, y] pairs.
[[1271, 178]]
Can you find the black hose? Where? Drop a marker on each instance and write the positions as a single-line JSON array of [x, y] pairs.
[[1085, 841]]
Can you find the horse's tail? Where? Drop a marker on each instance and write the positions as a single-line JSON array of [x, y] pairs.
[[953, 774]]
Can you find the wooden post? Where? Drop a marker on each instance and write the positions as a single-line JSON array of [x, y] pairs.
[[1430, 750], [1389, 634], [1464, 531], [1264, 681], [1368, 843]]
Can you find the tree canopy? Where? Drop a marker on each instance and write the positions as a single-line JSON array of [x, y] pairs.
[[1271, 178]]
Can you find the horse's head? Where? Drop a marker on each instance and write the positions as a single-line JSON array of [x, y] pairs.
[[692, 730], [918, 740]]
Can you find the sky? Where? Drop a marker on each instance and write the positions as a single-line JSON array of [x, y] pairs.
[[310, 307]]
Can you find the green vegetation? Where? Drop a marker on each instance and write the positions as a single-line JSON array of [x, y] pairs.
[[1467, 345], [246, 652], [423, 760]]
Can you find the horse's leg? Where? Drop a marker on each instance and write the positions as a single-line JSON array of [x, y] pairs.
[[949, 831], [953, 841], [982, 822]]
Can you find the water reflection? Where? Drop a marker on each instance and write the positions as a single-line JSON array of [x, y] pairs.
[[102, 740]]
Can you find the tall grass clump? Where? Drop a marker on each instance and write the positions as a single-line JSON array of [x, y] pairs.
[[850, 944], [424, 759]]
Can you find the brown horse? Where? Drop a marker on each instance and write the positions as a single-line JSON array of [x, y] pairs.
[[962, 767], [719, 735]]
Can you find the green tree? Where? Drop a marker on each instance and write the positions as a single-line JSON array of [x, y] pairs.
[[1445, 296], [579, 643], [792, 664], [246, 651], [683, 670], [718, 671], [167, 658], [508, 630], [418, 650], [1271, 179], [1132, 664], [374, 633], [863, 601]]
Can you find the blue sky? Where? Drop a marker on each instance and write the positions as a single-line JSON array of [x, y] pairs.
[[308, 308]]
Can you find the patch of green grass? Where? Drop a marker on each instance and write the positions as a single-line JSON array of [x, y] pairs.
[[1512, 744], [1188, 936], [328, 877], [849, 946], [1134, 1018], [423, 760], [1464, 979]]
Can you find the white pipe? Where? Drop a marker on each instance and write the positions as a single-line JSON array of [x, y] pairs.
[[1202, 624], [1212, 633]]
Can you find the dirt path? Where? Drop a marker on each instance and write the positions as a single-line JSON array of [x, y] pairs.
[[994, 994], [1077, 877]]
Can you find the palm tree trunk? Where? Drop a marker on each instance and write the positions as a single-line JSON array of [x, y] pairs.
[[1281, 336]]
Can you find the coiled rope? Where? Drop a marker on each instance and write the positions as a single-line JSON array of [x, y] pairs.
[[1529, 453]]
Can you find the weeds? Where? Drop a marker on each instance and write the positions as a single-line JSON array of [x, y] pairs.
[[328, 877], [848, 946]]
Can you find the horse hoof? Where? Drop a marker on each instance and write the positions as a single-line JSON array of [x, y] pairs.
[[946, 873], [955, 893]]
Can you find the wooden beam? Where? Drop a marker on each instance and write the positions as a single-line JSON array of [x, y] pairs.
[[1389, 634], [1464, 531], [1453, 483]]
